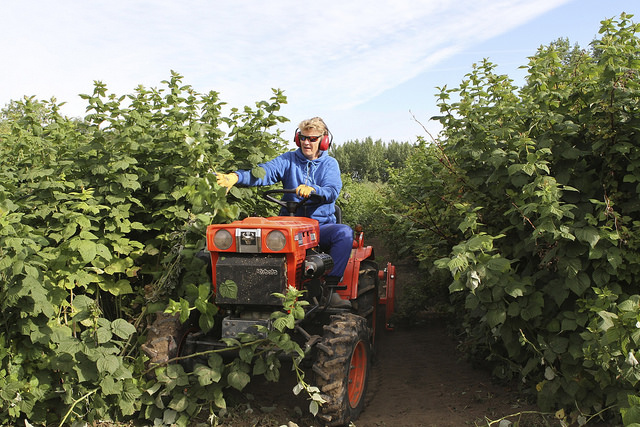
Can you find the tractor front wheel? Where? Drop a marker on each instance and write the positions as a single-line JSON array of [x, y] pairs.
[[342, 368]]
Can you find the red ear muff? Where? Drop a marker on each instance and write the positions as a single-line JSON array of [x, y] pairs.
[[296, 137], [325, 143]]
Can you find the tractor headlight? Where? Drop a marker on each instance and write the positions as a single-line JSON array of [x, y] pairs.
[[223, 239], [276, 240]]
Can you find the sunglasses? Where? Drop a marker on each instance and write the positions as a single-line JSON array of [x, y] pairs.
[[310, 138]]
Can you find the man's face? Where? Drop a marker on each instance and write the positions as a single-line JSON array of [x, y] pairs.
[[310, 143]]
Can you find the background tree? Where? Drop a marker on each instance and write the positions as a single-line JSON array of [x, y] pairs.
[[368, 160]]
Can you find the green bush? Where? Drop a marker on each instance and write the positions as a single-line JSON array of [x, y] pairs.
[[531, 200], [100, 220], [362, 203]]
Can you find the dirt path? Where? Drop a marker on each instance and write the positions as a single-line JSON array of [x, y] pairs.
[[419, 380]]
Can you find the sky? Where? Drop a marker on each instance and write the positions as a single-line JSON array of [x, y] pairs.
[[369, 68]]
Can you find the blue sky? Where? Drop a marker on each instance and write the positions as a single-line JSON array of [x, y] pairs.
[[366, 66]]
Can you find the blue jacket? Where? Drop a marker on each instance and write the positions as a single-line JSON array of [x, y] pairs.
[[293, 169]]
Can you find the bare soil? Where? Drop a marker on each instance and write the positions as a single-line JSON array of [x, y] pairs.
[[418, 379]]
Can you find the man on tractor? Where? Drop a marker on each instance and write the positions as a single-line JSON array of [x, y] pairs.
[[310, 170], [263, 257]]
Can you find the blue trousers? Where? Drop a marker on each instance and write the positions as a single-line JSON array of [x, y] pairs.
[[338, 240]]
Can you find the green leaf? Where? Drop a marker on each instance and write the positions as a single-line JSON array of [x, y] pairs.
[[69, 231], [206, 320], [458, 263], [103, 335], [533, 307], [121, 287], [457, 286], [207, 375], [228, 289], [314, 408], [608, 319], [108, 363], [600, 277], [570, 265], [120, 265], [88, 250], [176, 372], [122, 328], [283, 323], [480, 242], [246, 354], [515, 289], [238, 379], [215, 361], [110, 386], [185, 311], [589, 235], [259, 366], [103, 251], [631, 416], [86, 371], [169, 417], [179, 403], [496, 317], [499, 264], [614, 258], [218, 398], [203, 291], [579, 284], [569, 325], [559, 344], [258, 172]]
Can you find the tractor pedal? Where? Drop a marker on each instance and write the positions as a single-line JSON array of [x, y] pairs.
[[313, 340]]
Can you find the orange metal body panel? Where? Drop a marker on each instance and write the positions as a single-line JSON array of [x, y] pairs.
[[389, 300], [301, 233], [352, 271]]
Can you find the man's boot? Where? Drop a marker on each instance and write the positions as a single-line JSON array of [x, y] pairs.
[[335, 300]]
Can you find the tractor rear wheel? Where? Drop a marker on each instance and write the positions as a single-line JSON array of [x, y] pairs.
[[342, 368], [367, 301]]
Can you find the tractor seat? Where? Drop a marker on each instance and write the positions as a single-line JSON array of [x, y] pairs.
[[338, 214]]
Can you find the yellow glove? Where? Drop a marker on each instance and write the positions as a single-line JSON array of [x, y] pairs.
[[304, 190], [227, 180]]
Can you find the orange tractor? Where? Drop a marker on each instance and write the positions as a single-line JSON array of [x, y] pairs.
[[263, 256]]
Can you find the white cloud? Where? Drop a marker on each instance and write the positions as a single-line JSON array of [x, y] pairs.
[[329, 55]]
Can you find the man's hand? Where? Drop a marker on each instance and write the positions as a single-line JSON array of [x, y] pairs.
[[227, 180], [304, 191]]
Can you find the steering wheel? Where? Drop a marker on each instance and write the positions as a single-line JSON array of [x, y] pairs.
[[291, 205]]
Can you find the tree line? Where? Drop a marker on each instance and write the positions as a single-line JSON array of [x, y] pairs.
[[370, 160]]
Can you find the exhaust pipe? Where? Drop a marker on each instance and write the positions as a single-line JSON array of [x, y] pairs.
[[316, 265]]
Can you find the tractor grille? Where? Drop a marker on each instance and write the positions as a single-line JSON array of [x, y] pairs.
[[257, 276]]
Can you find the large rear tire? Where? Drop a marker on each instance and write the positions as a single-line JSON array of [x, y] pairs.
[[342, 368], [366, 303]]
